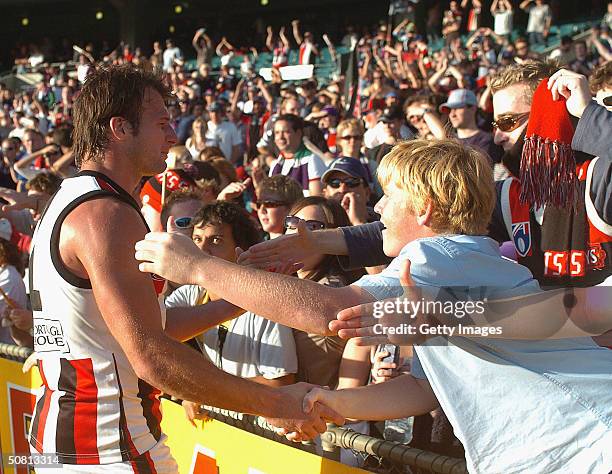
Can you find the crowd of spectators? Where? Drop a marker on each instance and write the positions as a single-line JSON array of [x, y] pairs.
[[257, 158]]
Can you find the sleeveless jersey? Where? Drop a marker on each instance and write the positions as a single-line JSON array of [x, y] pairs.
[[91, 407]]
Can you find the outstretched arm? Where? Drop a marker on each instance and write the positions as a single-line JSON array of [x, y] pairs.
[[295, 25], [127, 302], [269, 37], [301, 304], [400, 397]]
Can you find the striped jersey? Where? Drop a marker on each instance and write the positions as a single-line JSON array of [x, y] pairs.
[[304, 167], [91, 407]]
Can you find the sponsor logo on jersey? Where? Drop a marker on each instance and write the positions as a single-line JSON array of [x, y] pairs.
[[521, 236], [49, 336]]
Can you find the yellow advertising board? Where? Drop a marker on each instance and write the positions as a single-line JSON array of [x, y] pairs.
[[210, 448]]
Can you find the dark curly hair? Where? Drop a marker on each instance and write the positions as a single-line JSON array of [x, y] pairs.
[[244, 230]]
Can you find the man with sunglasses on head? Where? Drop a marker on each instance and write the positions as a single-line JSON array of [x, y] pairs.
[[346, 182]]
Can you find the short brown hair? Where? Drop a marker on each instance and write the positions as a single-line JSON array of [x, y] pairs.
[[419, 98], [112, 91], [288, 189], [601, 77], [456, 179], [178, 196], [530, 74], [44, 182]]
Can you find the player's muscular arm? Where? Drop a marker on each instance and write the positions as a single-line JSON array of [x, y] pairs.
[[97, 242]]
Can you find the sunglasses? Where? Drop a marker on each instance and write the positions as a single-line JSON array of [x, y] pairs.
[[351, 137], [291, 222], [607, 101], [270, 204], [183, 222], [8, 149], [509, 123], [350, 182]]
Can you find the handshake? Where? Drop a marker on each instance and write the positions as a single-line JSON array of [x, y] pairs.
[[304, 411]]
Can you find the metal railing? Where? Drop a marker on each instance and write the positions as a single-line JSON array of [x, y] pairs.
[[335, 438]]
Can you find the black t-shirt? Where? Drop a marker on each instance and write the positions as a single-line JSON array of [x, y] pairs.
[[484, 142]]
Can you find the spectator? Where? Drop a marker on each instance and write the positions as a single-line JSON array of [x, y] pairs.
[[564, 54], [319, 356], [223, 133], [461, 108], [197, 141], [308, 50], [280, 49], [182, 205], [503, 13], [172, 56], [390, 123], [346, 182], [11, 286], [197, 175], [295, 160], [350, 137], [289, 105], [540, 19], [607, 18], [451, 22], [582, 64], [276, 195], [8, 176], [203, 45], [248, 346], [600, 84], [421, 114]]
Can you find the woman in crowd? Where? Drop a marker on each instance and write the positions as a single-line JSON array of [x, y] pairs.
[[197, 141], [319, 356]]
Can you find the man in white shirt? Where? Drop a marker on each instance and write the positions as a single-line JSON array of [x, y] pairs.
[[172, 54], [540, 18], [222, 133]]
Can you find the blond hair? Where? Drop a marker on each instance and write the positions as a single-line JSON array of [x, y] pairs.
[[456, 179], [350, 124], [529, 74]]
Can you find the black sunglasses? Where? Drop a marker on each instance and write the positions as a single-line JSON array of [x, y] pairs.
[[350, 182], [351, 137], [270, 204], [291, 222], [607, 101]]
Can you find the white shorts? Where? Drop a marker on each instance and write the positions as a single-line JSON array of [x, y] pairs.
[[157, 460]]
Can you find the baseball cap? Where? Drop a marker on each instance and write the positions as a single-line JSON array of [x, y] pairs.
[[457, 99], [390, 114], [329, 110], [351, 166]]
